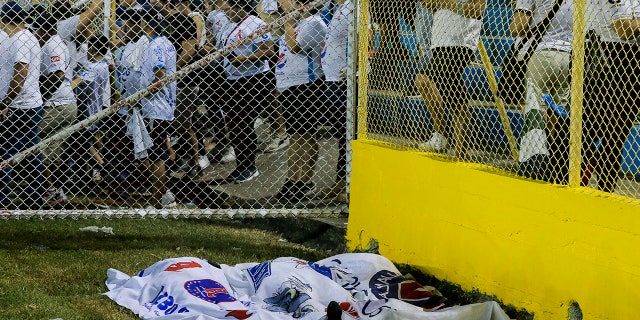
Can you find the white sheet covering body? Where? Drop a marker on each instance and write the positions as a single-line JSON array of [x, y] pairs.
[[366, 286]]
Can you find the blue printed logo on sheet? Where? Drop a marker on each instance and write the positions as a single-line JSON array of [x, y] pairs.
[[259, 273], [208, 290], [323, 270]]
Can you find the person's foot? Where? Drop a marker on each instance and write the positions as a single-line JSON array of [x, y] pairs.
[[53, 198], [229, 156], [438, 142], [243, 176], [168, 200], [278, 143]]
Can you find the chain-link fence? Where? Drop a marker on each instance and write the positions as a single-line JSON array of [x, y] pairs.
[[545, 89], [195, 108]]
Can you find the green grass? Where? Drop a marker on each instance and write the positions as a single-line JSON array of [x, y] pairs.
[[49, 269]]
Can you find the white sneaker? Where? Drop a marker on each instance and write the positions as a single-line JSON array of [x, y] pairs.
[[258, 123], [203, 162], [438, 142], [278, 143], [230, 156], [168, 200]]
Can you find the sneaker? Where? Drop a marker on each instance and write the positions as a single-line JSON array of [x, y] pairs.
[[230, 156], [168, 200], [203, 162], [96, 176], [247, 175], [54, 197], [438, 142], [277, 144], [258, 123]]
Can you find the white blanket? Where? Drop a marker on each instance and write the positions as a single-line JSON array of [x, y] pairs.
[[366, 286]]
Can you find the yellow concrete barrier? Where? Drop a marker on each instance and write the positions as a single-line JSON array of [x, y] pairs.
[[534, 245]]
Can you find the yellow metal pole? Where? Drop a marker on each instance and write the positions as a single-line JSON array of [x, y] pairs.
[[577, 90], [493, 84], [363, 65]]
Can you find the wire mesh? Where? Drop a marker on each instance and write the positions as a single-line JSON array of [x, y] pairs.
[[186, 109], [516, 85]]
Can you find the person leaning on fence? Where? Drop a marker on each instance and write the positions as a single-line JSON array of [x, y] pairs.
[[547, 81], [334, 66], [60, 108], [117, 148], [182, 31], [21, 106], [94, 94], [249, 82], [300, 80], [612, 97], [454, 38], [158, 61]]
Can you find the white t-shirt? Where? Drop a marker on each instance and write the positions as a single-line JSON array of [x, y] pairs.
[[129, 81], [160, 53], [559, 34], [334, 56], [451, 29], [5, 73], [608, 12], [95, 76], [24, 48], [216, 21], [294, 69], [233, 32], [55, 57]]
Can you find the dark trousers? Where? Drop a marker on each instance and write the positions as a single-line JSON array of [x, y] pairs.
[[336, 97], [612, 102], [19, 132], [247, 97]]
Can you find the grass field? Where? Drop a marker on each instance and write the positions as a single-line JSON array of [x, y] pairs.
[[50, 269]]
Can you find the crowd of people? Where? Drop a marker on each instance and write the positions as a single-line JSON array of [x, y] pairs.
[[56, 69], [610, 99]]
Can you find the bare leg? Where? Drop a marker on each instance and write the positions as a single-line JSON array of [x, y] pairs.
[[295, 153], [433, 100]]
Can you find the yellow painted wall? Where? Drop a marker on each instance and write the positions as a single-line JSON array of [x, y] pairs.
[[533, 245]]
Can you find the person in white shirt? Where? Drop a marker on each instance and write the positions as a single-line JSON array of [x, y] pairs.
[[544, 148], [334, 65], [158, 61], [76, 29], [21, 105], [94, 94], [612, 98], [60, 107], [299, 79], [250, 85], [454, 38]]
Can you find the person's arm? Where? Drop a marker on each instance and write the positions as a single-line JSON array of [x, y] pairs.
[[86, 18], [290, 37], [199, 21], [265, 50], [472, 9], [627, 29], [50, 83], [521, 23], [189, 49], [20, 73]]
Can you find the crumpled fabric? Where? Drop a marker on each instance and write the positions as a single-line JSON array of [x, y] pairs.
[[137, 129]]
